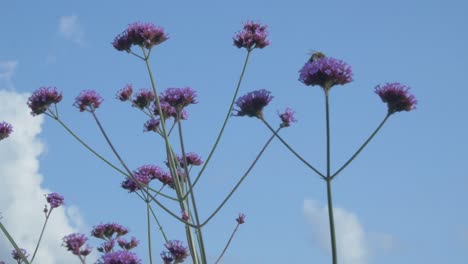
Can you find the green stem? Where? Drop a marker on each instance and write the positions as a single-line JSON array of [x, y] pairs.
[[40, 236], [362, 146], [159, 225], [13, 243], [291, 149], [242, 179], [228, 114], [227, 244], [149, 230]]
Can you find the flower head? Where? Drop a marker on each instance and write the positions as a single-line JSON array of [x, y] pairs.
[[287, 117], [145, 35], [241, 219], [179, 97], [397, 97], [55, 200], [42, 98], [107, 246], [168, 110], [125, 93], [143, 98], [127, 245], [17, 256], [107, 231], [253, 35], [151, 125], [326, 72], [74, 242], [88, 100], [119, 257], [252, 104], [177, 250], [192, 159], [5, 130], [167, 257]]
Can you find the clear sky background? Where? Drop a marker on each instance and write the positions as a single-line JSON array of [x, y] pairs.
[[404, 199]]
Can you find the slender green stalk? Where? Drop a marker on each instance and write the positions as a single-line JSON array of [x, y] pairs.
[[148, 219], [328, 180], [159, 224], [13, 243], [241, 179], [227, 244], [362, 146], [292, 150], [40, 236]]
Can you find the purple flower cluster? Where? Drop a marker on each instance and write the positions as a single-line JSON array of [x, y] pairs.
[[107, 246], [55, 200], [179, 97], [240, 219], [192, 159], [119, 257], [42, 98], [74, 243], [151, 125], [125, 93], [287, 117], [175, 252], [107, 231], [143, 98], [144, 175], [253, 35], [5, 130], [144, 35], [88, 100], [397, 97], [168, 111], [252, 103], [128, 245], [17, 256], [326, 72]]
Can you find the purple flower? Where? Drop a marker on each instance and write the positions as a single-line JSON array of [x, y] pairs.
[[177, 250], [168, 111], [326, 72], [252, 104], [241, 219], [119, 257], [127, 245], [151, 125], [74, 242], [125, 93], [107, 246], [179, 97], [107, 231], [185, 216], [192, 159], [145, 35], [287, 117], [252, 36], [144, 175], [55, 200], [167, 257], [143, 98], [397, 97], [5, 130], [88, 100], [42, 98], [17, 256]]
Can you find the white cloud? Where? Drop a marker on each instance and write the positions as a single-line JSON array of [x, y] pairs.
[[7, 69], [351, 239], [21, 194], [71, 29]]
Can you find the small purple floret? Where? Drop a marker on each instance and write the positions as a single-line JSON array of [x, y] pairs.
[[143, 98], [177, 250], [326, 72], [145, 35], [179, 97], [252, 104], [151, 125], [119, 257], [287, 117], [107, 231], [125, 93], [5, 130], [88, 100], [192, 159], [16, 255], [55, 200], [74, 242], [127, 245], [240, 219], [397, 97], [42, 98], [168, 111], [253, 35]]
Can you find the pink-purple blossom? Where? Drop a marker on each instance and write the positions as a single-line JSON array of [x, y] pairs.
[[75, 242], [240, 219], [5, 130], [143, 98], [287, 117], [253, 35], [128, 245], [125, 93], [145, 35], [326, 72], [179, 97], [108, 230], [151, 125], [119, 257], [42, 98], [192, 159], [397, 97], [176, 250], [252, 103], [55, 200], [88, 100], [17, 256]]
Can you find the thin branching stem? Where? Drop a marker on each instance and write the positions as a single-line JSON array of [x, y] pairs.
[[13, 243], [40, 236], [227, 244]]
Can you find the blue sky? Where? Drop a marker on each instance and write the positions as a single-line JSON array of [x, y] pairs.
[[402, 201]]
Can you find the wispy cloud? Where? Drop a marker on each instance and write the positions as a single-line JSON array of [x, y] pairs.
[[71, 29], [7, 69]]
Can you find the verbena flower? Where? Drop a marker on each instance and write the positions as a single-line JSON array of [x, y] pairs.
[[397, 97], [42, 98], [125, 93], [143, 98], [287, 117], [252, 103], [192, 159], [107, 246], [74, 243], [128, 245], [151, 125], [326, 72], [167, 257], [16, 255], [119, 257], [179, 97], [145, 35], [185, 216], [88, 100], [240, 219], [168, 110], [5, 130], [253, 35], [107, 231], [177, 250], [55, 200]]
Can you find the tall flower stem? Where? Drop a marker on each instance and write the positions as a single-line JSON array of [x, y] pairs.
[[328, 181], [227, 244], [13, 243], [40, 236], [148, 219]]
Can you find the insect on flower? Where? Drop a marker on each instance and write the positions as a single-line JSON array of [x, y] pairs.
[[316, 55]]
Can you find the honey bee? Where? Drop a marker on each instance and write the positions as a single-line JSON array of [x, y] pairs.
[[316, 55]]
